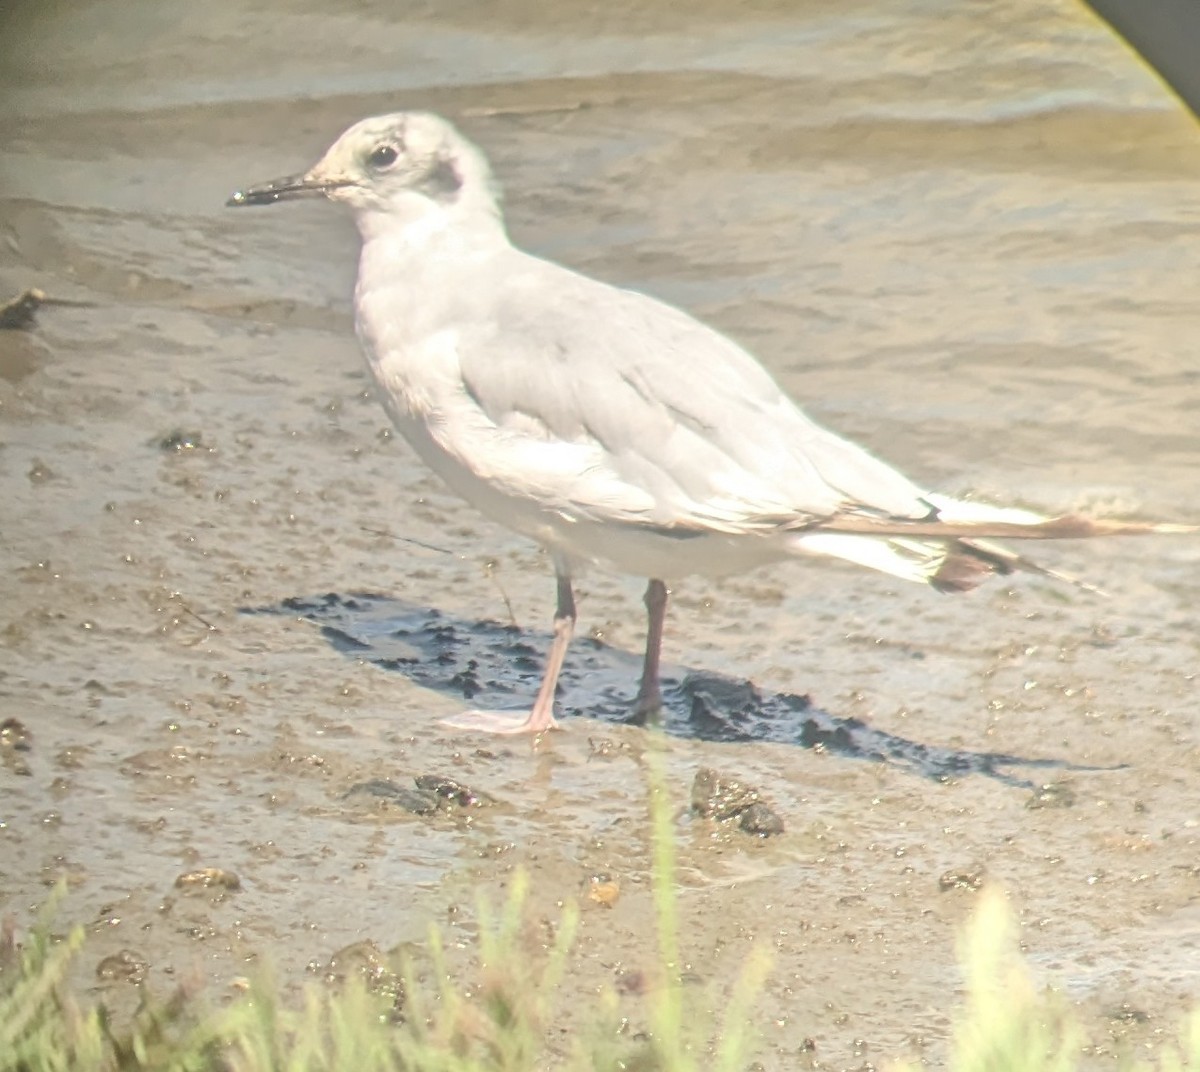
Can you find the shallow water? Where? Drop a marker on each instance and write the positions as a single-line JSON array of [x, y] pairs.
[[965, 236]]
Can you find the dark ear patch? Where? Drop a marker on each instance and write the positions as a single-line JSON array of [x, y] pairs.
[[442, 182]]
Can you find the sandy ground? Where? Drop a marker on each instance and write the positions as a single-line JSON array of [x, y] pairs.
[[967, 239]]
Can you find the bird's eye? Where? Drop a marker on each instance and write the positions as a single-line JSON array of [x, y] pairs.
[[382, 156]]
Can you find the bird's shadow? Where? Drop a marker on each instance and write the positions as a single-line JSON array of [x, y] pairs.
[[500, 666]]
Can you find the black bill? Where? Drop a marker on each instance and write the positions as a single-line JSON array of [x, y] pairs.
[[267, 193]]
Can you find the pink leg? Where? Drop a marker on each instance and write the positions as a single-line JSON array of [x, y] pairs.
[[649, 696], [541, 717]]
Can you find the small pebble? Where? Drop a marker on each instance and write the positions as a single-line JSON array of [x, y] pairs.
[[208, 878], [970, 879], [760, 819], [1051, 795], [603, 889]]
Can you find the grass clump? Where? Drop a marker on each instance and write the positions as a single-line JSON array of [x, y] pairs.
[[504, 1023], [1008, 1024]]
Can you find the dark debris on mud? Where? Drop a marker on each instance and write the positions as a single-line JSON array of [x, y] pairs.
[[720, 798], [19, 312], [433, 793], [182, 441], [15, 743], [499, 665], [380, 972]]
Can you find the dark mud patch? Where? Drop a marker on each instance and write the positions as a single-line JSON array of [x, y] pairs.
[[493, 664]]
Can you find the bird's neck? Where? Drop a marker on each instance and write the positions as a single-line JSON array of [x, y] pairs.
[[418, 226]]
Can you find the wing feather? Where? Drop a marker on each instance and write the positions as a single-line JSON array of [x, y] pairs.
[[639, 413]]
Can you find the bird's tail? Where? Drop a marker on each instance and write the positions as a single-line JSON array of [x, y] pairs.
[[954, 552]]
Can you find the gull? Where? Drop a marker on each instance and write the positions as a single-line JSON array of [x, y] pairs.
[[606, 425]]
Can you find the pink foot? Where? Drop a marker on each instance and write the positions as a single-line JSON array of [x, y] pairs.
[[506, 722]]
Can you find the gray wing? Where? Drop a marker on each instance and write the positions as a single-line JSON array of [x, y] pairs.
[[616, 406]]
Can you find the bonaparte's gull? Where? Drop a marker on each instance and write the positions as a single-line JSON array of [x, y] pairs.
[[602, 423]]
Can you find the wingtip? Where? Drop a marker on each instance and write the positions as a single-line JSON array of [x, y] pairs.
[[1142, 528], [1063, 527]]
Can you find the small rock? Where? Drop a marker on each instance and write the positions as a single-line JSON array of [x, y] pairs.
[[605, 748], [362, 959], [717, 797], [970, 879], [15, 735], [1052, 795], [455, 792], [15, 741], [603, 889], [17, 313], [180, 441], [384, 789], [433, 793], [366, 961], [760, 819], [207, 878]]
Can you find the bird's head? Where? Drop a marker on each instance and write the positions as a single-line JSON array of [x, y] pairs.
[[397, 164]]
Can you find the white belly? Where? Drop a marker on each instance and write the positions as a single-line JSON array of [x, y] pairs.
[[642, 551]]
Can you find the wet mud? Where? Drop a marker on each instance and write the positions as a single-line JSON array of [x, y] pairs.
[[495, 665], [235, 608]]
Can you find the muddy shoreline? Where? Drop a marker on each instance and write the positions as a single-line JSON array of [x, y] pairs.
[[231, 596]]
